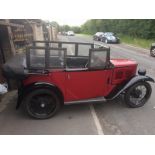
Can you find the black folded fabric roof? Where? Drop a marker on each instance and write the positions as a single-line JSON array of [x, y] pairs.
[[14, 68]]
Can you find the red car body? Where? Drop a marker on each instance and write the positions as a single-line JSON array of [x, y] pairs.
[[79, 85]]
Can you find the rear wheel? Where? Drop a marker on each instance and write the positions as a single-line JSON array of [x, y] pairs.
[[152, 52], [138, 94], [42, 103]]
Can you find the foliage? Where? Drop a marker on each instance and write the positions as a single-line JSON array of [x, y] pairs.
[[55, 24], [141, 28]]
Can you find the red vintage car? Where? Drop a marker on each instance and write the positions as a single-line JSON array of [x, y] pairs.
[[49, 77]]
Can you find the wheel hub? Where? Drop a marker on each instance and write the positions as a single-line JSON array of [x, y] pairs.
[[42, 105], [138, 94]]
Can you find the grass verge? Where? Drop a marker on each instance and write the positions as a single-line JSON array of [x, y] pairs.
[[144, 43]]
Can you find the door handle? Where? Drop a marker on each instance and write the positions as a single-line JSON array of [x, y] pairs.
[[68, 76]]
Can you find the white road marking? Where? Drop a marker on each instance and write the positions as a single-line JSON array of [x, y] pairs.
[[96, 120]]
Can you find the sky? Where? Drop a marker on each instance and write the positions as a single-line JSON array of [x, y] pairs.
[[71, 22]]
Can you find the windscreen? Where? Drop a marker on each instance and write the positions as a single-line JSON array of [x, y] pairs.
[[98, 59]]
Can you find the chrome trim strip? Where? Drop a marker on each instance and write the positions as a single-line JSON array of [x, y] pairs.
[[76, 69], [40, 83], [87, 100]]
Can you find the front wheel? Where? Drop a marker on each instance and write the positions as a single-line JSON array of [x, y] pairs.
[[138, 94], [42, 103]]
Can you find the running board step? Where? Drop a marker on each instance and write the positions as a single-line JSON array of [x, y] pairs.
[[98, 99]]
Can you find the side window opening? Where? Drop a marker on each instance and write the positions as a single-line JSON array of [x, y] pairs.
[[37, 58], [45, 58], [56, 59]]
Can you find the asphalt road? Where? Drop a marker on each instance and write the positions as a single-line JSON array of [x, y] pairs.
[[100, 118]]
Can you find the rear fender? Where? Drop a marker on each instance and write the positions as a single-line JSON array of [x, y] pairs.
[[24, 90], [134, 80]]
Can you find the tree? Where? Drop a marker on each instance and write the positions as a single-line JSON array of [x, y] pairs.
[[142, 28]]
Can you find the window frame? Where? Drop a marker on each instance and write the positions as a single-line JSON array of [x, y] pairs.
[[47, 58]]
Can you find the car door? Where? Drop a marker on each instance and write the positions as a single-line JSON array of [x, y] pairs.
[[91, 82]]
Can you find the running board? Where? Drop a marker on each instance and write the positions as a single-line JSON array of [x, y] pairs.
[[98, 99]]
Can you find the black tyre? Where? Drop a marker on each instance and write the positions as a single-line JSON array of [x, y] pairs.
[[138, 94], [42, 103], [152, 52]]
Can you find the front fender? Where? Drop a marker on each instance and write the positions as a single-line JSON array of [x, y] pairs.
[[134, 80]]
